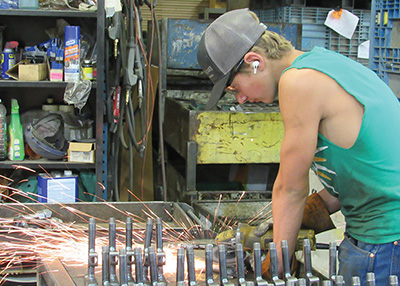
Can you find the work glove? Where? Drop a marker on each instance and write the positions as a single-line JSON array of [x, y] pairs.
[[316, 215], [266, 267]]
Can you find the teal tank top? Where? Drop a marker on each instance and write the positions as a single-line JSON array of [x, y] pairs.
[[365, 177]]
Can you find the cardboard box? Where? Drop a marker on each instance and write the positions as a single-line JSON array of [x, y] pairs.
[[24, 71], [81, 152]]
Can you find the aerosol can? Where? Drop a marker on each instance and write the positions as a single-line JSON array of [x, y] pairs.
[[16, 146]]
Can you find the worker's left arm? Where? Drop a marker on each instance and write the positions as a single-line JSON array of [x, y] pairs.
[[301, 112]]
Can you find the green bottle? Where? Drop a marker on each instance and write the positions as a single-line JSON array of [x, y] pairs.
[[16, 148]]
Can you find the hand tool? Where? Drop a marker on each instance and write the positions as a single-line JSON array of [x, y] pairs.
[[370, 279], [153, 267], [92, 261], [129, 251], [311, 280], [190, 265], [160, 251], [332, 260], [290, 280], [240, 265], [274, 265], [113, 252], [147, 243], [138, 266], [223, 271], [123, 270], [180, 267], [105, 267], [393, 280], [258, 280], [209, 266]]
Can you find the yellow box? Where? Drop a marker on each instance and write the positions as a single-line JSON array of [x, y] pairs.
[[81, 152], [25, 71], [217, 3]]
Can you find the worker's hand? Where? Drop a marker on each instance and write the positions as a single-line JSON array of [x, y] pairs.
[[316, 215]]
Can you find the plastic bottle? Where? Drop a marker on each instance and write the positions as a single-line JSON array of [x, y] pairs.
[[3, 131], [16, 148]]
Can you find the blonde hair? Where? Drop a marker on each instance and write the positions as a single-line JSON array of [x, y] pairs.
[[271, 44]]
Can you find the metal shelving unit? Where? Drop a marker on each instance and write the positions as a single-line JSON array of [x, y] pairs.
[[19, 22]]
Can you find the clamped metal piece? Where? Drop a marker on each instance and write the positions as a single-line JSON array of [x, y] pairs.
[[92, 256], [355, 281], [129, 251], [339, 281], [223, 269], [311, 280], [180, 267], [113, 252], [138, 266], [190, 265], [370, 279], [240, 265], [209, 266], [259, 281], [153, 267], [332, 261], [123, 269], [147, 243], [105, 267], [290, 280], [302, 282], [393, 280], [160, 252], [274, 265]]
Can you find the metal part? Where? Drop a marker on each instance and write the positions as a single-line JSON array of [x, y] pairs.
[[393, 280], [153, 266], [129, 251], [311, 280], [290, 280], [123, 267], [92, 256], [332, 260], [370, 279], [355, 281], [113, 252], [240, 265], [209, 266], [147, 243], [190, 265], [258, 280], [105, 267], [180, 267], [339, 280], [274, 265], [223, 269], [160, 252], [138, 266]]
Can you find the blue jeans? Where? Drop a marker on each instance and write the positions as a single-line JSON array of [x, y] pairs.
[[357, 258]]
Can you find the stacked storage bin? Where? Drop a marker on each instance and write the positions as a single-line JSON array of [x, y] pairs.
[[315, 33], [385, 42]]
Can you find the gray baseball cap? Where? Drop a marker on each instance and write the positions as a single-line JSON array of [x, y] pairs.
[[223, 45]]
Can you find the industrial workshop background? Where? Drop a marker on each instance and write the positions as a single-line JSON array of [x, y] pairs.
[[102, 106]]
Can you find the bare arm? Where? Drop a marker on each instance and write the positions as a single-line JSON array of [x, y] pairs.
[[302, 112], [330, 202]]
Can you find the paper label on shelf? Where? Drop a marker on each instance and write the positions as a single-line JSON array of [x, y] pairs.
[[345, 25], [363, 50]]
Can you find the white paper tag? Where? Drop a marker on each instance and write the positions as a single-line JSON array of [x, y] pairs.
[[344, 26]]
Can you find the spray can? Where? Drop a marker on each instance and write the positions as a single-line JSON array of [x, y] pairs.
[[71, 53], [7, 61], [16, 133], [3, 131]]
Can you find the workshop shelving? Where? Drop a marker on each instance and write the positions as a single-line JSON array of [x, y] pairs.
[[385, 42], [28, 27]]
